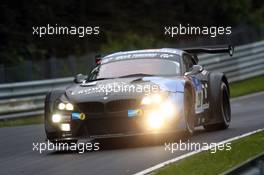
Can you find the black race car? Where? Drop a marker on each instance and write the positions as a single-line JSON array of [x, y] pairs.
[[140, 92]]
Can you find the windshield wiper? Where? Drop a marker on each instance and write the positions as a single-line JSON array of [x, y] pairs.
[[125, 76], [98, 79], [136, 75]]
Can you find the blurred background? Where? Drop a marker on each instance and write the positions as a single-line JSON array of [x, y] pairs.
[[124, 25]]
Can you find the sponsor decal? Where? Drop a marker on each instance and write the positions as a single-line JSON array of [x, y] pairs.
[[134, 112], [78, 116], [138, 55]]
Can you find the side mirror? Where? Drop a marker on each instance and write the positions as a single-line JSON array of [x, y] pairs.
[[195, 70], [79, 78]]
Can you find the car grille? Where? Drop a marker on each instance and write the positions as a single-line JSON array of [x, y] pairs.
[[112, 106], [121, 105], [91, 107], [112, 126]]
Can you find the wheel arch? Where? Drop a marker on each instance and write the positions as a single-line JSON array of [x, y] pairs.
[[188, 86], [50, 99]]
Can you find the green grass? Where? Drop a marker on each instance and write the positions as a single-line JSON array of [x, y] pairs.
[[22, 121], [209, 163], [248, 86], [237, 89]]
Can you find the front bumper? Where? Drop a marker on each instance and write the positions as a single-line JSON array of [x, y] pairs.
[[108, 125], [122, 122]]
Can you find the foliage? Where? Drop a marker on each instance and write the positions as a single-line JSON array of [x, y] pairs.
[[124, 24]]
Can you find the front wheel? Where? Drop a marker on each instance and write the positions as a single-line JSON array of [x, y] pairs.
[[189, 111], [69, 142]]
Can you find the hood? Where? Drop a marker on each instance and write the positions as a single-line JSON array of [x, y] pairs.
[[122, 88]]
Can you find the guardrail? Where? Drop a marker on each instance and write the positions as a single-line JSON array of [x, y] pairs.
[[254, 166], [247, 61], [27, 98]]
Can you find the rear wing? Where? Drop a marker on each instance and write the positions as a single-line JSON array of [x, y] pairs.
[[210, 50]]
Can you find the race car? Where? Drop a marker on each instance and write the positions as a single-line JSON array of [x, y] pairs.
[[140, 92]]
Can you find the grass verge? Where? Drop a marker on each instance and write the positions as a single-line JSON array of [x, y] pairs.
[[209, 163], [22, 121], [240, 88], [247, 86]]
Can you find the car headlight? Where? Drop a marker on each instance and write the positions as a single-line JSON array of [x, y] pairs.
[[146, 100], [69, 107], [164, 112], [152, 99], [155, 120], [65, 106], [56, 118], [59, 118], [65, 127], [61, 106], [168, 110]]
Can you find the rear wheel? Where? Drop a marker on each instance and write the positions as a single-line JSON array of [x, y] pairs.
[[219, 103]]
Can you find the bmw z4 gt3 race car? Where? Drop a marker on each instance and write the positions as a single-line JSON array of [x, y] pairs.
[[140, 92]]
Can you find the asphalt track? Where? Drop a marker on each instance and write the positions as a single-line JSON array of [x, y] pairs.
[[122, 156]]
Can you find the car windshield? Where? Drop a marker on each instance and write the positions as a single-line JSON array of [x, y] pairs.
[[136, 67]]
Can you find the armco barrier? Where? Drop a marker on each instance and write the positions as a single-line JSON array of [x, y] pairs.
[[247, 61], [253, 166], [27, 98]]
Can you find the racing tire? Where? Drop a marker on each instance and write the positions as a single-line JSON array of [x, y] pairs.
[[219, 103], [189, 112], [69, 142]]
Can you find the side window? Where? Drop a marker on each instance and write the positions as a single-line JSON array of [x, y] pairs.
[[188, 62]]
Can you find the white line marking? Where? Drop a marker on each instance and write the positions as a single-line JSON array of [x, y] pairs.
[[160, 165]]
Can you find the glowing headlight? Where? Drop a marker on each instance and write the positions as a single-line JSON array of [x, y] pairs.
[[56, 118], [155, 98], [155, 121], [61, 106], [65, 127], [146, 100], [67, 106], [168, 110]]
